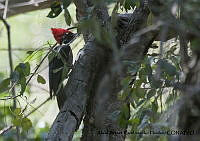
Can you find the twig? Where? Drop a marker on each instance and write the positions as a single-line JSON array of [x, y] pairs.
[[9, 43], [38, 107], [38, 66], [9, 97], [21, 49], [6, 129], [51, 48], [3, 131], [11, 66], [9, 55]]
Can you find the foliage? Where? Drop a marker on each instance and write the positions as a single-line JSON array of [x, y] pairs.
[[151, 94]]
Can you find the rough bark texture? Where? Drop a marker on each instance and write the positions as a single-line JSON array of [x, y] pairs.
[[189, 110], [100, 122], [95, 79], [79, 85]]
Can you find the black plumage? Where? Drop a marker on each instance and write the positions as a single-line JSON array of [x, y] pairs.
[[60, 62]]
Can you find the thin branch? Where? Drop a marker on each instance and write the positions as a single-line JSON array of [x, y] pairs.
[[35, 109], [6, 129], [11, 65], [21, 49], [51, 48], [9, 42], [35, 72], [10, 97]]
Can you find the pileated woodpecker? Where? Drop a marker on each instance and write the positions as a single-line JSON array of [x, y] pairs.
[[60, 62]]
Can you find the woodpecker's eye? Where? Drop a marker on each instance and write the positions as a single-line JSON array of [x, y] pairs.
[[67, 37]]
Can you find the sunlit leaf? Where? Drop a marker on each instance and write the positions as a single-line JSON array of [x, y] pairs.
[[134, 121], [17, 121], [17, 112], [128, 4], [26, 124]]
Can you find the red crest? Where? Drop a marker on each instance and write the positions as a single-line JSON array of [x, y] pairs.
[[58, 33]]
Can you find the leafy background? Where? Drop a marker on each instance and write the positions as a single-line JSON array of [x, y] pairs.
[[150, 98]]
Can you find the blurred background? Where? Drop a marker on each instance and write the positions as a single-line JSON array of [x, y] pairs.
[[31, 38], [31, 32]]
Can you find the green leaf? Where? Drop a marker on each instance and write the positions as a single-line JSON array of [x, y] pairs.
[[68, 18], [41, 80], [17, 121], [128, 4], [4, 85], [36, 54], [167, 67], [23, 69], [17, 111], [124, 116], [125, 82], [26, 124], [134, 121], [125, 111], [27, 69], [22, 82], [155, 105], [140, 92], [66, 3], [56, 9]]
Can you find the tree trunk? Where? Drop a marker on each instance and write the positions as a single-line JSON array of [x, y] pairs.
[[94, 82]]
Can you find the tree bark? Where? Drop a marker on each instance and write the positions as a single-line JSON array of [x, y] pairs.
[[95, 79]]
